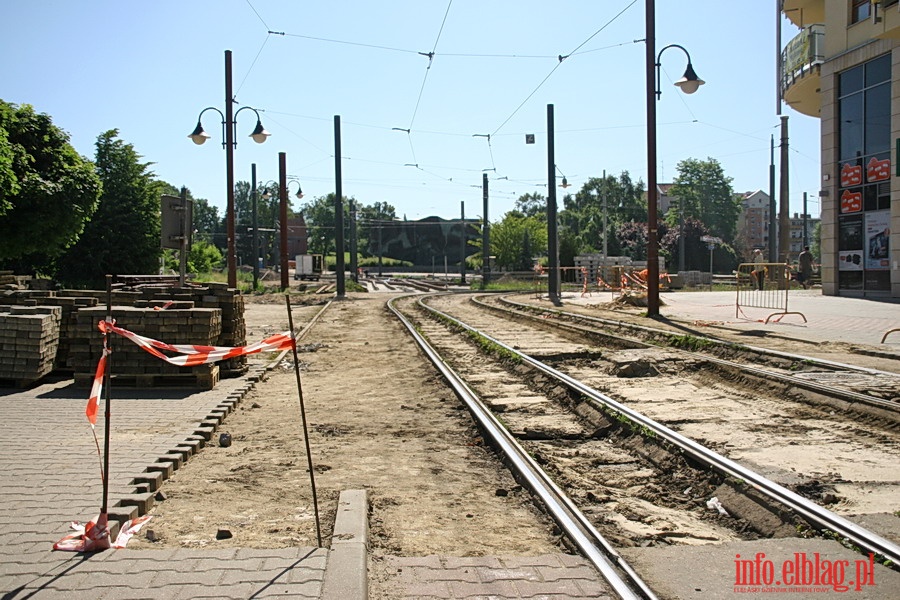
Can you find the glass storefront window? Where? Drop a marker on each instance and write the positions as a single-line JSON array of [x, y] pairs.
[[864, 144]]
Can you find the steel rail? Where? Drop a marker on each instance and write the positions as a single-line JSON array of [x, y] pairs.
[[766, 351], [822, 517], [558, 505], [846, 395]]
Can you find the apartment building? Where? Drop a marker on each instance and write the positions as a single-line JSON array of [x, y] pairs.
[[842, 67]]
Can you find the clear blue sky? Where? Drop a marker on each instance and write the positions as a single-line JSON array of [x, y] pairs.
[[149, 68]]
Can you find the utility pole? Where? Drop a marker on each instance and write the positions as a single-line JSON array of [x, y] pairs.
[[354, 268], [338, 211], [462, 242], [255, 226], [605, 231], [552, 242], [282, 193], [805, 223], [773, 247], [784, 220], [485, 236]]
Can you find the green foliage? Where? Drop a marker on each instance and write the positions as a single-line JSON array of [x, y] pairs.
[[532, 205], [516, 240], [204, 257], [122, 237], [47, 190], [705, 193]]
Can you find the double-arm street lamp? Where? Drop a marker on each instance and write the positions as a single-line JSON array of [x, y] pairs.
[[229, 131], [689, 84]]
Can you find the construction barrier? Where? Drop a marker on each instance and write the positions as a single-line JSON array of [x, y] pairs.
[[765, 286]]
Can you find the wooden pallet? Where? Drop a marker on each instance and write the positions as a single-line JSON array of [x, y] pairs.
[[206, 380]]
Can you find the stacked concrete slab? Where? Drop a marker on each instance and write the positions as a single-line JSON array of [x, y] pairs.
[[129, 363], [210, 314], [29, 337]]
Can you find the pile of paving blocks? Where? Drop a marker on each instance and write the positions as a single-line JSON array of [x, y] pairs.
[[29, 336], [131, 365], [211, 314]]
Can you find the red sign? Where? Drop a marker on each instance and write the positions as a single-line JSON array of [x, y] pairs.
[[878, 170], [851, 175], [851, 202]]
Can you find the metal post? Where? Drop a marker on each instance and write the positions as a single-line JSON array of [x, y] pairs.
[[784, 219], [681, 266], [552, 241], [354, 268], [379, 250], [805, 224], [182, 258], [229, 173], [605, 232], [652, 250], [485, 235], [338, 210], [253, 195], [283, 212], [773, 246], [462, 242]]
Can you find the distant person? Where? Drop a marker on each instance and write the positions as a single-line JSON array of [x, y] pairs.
[[759, 269], [804, 277]]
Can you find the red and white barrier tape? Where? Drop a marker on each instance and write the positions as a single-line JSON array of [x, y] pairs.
[[190, 356]]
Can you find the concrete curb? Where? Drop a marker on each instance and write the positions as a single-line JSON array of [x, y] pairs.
[[346, 574]]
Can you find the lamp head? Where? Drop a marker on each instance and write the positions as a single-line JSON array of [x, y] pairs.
[[266, 194], [259, 134], [299, 193], [565, 183], [198, 136], [689, 82]]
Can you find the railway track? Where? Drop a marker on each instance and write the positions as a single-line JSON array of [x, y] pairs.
[[611, 475]]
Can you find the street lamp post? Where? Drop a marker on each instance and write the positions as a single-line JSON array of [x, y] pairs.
[[283, 186], [229, 130], [689, 84]]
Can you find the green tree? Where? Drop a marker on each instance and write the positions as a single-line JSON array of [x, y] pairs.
[[515, 240], [532, 205], [369, 217], [613, 200], [123, 235], [319, 216], [705, 193], [47, 190]]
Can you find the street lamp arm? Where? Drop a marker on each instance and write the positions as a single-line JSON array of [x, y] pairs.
[[259, 134], [199, 136], [689, 82]]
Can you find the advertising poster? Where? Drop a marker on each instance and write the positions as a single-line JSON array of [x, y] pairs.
[[878, 235]]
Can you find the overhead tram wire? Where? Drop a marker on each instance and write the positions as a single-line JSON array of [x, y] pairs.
[[430, 56], [490, 149], [561, 59], [253, 64], [258, 16]]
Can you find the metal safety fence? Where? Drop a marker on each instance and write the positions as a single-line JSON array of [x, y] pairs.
[[764, 285]]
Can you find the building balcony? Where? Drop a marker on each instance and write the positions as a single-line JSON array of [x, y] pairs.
[[886, 20], [801, 61], [803, 13]]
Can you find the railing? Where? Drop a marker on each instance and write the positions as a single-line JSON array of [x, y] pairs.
[[764, 286], [802, 54]]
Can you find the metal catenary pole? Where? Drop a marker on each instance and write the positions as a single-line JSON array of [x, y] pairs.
[[552, 241], [338, 210]]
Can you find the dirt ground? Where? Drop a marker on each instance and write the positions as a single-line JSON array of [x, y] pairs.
[[379, 418]]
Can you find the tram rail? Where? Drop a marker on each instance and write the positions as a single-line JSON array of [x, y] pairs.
[[819, 516]]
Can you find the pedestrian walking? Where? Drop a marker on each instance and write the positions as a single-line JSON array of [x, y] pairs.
[[804, 276], [759, 269]]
